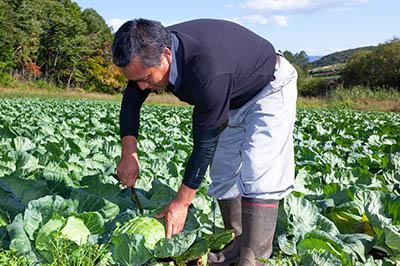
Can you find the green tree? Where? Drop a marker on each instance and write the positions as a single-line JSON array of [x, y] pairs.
[[98, 32], [300, 59], [375, 69], [54, 38], [63, 43], [100, 73], [26, 32], [6, 45]]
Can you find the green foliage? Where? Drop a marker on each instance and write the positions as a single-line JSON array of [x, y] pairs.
[[56, 41], [345, 204], [11, 258], [67, 253], [97, 30], [176, 246], [6, 26], [342, 93], [298, 59], [6, 80], [316, 87], [218, 240], [375, 69], [339, 57], [130, 249]]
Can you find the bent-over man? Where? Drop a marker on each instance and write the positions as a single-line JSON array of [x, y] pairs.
[[244, 97]]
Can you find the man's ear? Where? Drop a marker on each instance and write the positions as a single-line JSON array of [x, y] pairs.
[[168, 54]]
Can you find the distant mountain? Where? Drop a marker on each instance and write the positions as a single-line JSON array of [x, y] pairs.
[[313, 58], [338, 57]]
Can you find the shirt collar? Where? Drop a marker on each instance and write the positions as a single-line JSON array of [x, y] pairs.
[[175, 76]]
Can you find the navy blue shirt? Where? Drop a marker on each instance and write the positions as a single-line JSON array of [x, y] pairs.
[[219, 65]]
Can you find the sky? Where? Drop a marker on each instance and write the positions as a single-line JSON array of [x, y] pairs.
[[318, 27]]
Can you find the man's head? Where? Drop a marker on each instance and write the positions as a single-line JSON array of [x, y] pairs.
[[142, 49]]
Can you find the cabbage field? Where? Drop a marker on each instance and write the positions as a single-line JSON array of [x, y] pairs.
[[60, 203]]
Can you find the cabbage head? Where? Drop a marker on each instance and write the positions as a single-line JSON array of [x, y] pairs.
[[149, 227]]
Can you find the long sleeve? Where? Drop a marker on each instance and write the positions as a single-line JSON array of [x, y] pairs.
[[210, 117], [132, 101], [204, 145]]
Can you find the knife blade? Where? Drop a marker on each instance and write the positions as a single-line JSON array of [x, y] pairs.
[[134, 196], [136, 199]]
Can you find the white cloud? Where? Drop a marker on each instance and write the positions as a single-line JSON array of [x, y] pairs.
[[115, 23], [277, 11], [298, 5], [280, 21], [277, 5], [256, 19]]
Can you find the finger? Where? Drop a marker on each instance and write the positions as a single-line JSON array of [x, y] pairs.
[[131, 179], [129, 182], [159, 215], [121, 176], [176, 229], [169, 228], [134, 178], [180, 228], [122, 180], [120, 173]]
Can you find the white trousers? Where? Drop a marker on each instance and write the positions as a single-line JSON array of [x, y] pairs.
[[255, 153]]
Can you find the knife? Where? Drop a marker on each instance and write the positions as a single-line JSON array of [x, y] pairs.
[[134, 196], [136, 199]]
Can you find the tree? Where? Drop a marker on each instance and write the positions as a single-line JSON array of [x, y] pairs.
[[63, 43], [67, 46], [300, 59], [97, 30], [375, 69], [6, 45], [27, 31]]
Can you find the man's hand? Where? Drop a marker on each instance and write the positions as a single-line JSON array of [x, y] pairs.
[[175, 212], [128, 170], [128, 167]]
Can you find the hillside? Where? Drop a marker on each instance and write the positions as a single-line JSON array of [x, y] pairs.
[[338, 57]]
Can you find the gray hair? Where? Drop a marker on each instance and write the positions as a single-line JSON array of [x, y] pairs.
[[142, 38]]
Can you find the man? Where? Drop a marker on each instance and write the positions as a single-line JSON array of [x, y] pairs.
[[244, 98]]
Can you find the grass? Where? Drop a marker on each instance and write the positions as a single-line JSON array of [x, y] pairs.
[[55, 93], [361, 98], [11, 258], [153, 99], [357, 98]]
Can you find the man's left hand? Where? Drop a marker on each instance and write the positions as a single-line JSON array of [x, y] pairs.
[[175, 214]]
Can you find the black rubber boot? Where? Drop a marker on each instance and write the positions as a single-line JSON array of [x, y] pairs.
[[232, 215], [259, 219]]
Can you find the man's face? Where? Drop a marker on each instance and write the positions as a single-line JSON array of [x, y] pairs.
[[153, 78]]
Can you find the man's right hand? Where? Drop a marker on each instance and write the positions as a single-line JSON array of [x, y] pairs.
[[128, 167]]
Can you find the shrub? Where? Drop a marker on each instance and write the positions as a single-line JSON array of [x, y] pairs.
[[6, 80], [314, 87], [377, 68]]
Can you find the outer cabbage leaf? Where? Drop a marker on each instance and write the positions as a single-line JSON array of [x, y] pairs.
[[129, 249], [175, 246], [19, 240], [41, 210]]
